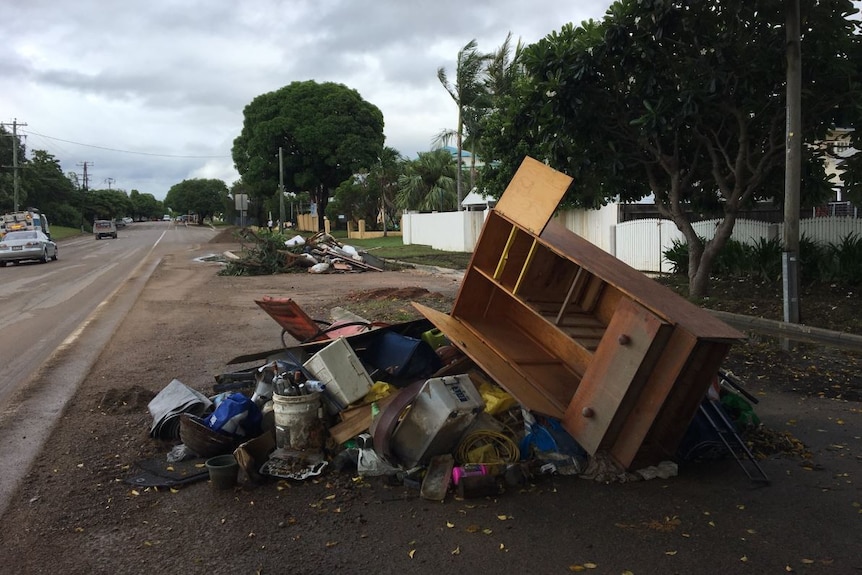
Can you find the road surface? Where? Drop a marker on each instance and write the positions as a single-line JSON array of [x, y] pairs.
[[41, 305], [55, 318]]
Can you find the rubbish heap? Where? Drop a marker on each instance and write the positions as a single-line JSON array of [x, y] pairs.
[[556, 358], [270, 253]]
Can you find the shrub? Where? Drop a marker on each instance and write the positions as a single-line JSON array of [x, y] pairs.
[[677, 255]]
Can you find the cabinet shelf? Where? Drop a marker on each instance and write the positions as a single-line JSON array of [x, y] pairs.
[[574, 333]]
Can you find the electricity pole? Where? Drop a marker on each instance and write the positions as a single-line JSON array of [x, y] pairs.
[[86, 181], [280, 191], [792, 169], [16, 184]]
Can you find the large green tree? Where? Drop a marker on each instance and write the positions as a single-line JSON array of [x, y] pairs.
[[326, 132], [205, 197], [682, 100], [144, 206], [106, 204], [49, 189]]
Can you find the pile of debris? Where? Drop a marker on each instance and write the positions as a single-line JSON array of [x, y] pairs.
[[270, 253], [555, 358], [373, 399]]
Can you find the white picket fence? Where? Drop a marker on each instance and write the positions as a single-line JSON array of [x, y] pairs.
[[639, 243], [642, 243]]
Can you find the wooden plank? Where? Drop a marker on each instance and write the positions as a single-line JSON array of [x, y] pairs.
[[504, 372], [526, 267], [612, 372], [504, 257], [532, 196], [358, 421], [569, 295]]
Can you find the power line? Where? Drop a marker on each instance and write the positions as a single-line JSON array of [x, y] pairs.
[[123, 151]]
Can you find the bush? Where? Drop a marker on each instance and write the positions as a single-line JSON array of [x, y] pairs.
[[835, 263], [842, 262], [677, 255]]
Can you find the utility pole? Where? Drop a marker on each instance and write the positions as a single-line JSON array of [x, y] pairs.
[[16, 184], [86, 182], [109, 181], [792, 169], [280, 191]]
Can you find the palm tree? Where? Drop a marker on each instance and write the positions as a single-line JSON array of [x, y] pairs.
[[504, 68], [384, 176], [428, 182], [466, 92]]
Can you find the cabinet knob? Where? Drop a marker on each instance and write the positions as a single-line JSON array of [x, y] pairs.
[[623, 339], [588, 412]]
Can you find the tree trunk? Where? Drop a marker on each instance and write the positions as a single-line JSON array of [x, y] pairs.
[[458, 161]]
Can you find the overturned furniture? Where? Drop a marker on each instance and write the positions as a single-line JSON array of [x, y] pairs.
[[576, 334]]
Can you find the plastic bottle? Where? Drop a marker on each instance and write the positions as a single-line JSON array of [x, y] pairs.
[[468, 470]]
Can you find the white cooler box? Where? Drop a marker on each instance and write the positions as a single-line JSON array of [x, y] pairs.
[[443, 410], [338, 366]]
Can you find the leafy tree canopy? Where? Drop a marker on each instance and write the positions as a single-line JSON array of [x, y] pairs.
[[327, 133], [107, 204], [685, 101], [205, 197], [145, 206]]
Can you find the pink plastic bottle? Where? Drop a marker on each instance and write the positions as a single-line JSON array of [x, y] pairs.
[[468, 470]]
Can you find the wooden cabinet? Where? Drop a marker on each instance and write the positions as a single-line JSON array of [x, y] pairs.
[[575, 334]]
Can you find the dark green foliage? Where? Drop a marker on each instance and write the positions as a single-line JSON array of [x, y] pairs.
[[760, 261], [677, 255], [812, 266], [839, 263], [264, 255], [842, 262], [684, 100], [326, 132], [202, 196]]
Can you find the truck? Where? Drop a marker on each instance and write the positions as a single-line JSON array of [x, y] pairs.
[[29, 219], [104, 229]]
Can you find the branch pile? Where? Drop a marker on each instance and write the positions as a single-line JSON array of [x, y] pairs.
[[272, 253]]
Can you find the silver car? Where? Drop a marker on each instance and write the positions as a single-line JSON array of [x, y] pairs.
[[27, 245]]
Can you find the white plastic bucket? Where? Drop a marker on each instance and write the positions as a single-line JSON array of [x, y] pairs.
[[297, 421]]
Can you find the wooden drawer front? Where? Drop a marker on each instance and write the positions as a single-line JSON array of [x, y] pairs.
[[621, 364]]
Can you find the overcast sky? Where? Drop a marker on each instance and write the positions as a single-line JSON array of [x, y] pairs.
[[152, 92]]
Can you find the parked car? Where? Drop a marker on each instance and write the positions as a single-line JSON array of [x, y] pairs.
[[128, 220], [120, 223], [104, 229], [27, 245]]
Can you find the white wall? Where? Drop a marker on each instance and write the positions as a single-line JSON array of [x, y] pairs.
[[639, 243], [448, 231]]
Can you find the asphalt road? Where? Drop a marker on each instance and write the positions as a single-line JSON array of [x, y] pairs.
[[55, 318]]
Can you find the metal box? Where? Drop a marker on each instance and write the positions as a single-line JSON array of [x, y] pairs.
[[339, 368], [444, 408]]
